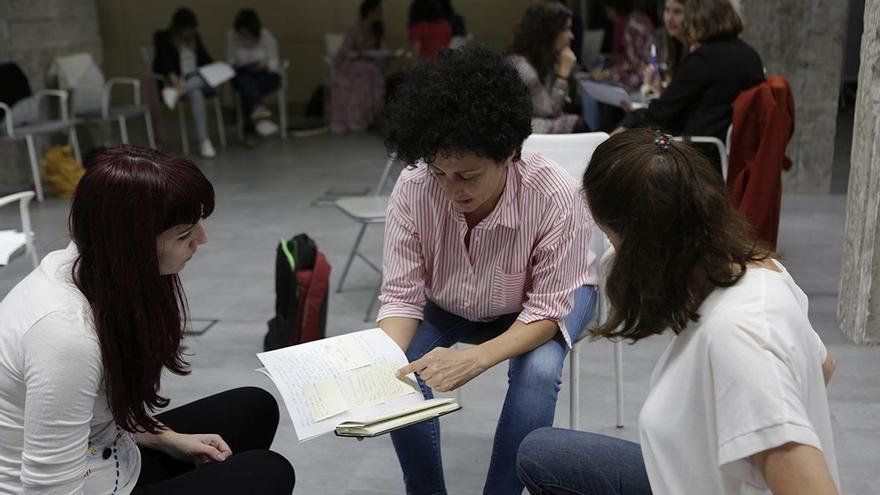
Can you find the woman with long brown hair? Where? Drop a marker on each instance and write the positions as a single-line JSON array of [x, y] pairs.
[[542, 54], [737, 402], [84, 340]]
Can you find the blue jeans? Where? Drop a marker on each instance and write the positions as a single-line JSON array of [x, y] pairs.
[[252, 86], [533, 385], [553, 461]]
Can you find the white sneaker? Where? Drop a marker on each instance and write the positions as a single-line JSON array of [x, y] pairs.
[[207, 149], [260, 113], [266, 128], [170, 97]]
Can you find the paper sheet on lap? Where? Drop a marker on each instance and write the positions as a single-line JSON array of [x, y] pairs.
[[325, 382]]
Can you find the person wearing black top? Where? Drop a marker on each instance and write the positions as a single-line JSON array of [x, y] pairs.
[[179, 52], [698, 100]]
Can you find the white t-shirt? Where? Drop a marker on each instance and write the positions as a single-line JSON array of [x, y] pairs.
[[241, 53], [745, 378], [57, 435], [188, 61]]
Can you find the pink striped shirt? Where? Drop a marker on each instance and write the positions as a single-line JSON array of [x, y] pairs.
[[527, 256]]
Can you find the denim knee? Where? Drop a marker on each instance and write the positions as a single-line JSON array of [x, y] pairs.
[[541, 367], [533, 452]]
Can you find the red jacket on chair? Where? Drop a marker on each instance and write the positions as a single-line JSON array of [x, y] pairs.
[[763, 122]]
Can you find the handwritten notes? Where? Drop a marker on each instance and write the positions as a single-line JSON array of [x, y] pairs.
[[326, 382], [345, 356], [324, 399], [374, 385]]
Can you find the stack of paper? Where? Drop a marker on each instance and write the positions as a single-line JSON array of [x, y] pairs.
[[10, 242], [345, 378]]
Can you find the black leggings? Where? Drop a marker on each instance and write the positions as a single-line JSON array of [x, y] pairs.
[[246, 418]]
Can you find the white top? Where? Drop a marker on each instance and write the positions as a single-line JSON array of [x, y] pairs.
[[263, 51], [745, 378], [188, 61], [55, 424]]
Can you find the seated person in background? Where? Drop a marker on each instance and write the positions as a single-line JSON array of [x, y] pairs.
[[673, 47], [179, 52], [638, 34], [253, 52], [737, 402], [577, 30], [429, 28], [357, 81], [84, 340], [717, 68], [479, 238], [543, 57]]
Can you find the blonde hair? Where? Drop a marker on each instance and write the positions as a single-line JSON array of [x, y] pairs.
[[706, 19]]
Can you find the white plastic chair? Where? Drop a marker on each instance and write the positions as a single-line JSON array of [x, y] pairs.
[[723, 147], [366, 210], [23, 199], [332, 44], [91, 94], [573, 152], [148, 54], [460, 41]]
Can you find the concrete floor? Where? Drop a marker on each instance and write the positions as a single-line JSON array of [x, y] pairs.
[[266, 194]]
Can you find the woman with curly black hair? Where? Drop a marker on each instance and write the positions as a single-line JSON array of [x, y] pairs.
[[481, 239], [542, 54]]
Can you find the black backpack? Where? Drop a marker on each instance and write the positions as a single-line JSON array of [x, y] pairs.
[[302, 277]]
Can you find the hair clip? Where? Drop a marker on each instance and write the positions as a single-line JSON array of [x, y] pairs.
[[663, 141]]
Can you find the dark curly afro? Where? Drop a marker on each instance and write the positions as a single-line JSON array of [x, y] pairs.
[[469, 100]]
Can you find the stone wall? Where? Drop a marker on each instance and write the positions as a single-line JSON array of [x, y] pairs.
[[858, 310], [803, 40], [33, 33]]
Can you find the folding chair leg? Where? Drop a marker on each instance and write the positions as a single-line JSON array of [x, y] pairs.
[[123, 129], [35, 168], [151, 139], [239, 117], [282, 113], [459, 397], [221, 129], [28, 232], [354, 249], [618, 379], [184, 135], [574, 383], [373, 302], [74, 144]]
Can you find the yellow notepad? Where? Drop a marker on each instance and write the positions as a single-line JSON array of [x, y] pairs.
[[378, 425]]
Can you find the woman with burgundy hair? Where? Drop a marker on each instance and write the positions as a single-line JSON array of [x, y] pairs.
[[84, 340]]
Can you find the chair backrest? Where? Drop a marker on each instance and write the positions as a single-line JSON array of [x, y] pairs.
[[572, 152], [591, 46], [460, 41], [385, 178], [332, 43], [80, 74], [148, 56], [23, 199]]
